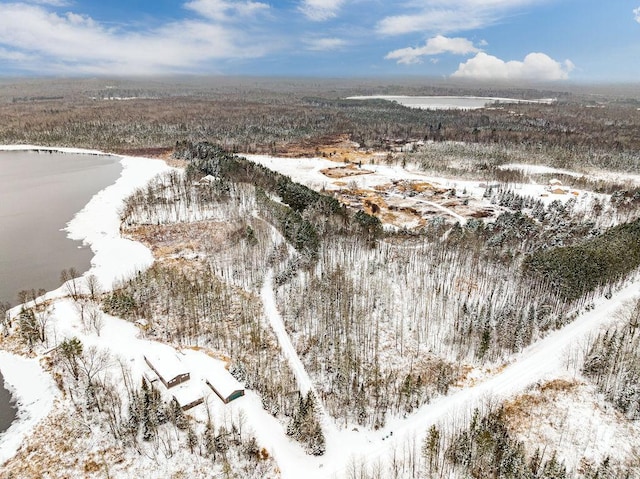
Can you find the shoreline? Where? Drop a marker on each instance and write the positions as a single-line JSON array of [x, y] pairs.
[[97, 224]]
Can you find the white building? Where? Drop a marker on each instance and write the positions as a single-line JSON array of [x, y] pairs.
[[226, 387], [168, 367]]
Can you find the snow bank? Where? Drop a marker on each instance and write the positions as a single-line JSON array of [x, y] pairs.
[[34, 392], [98, 223]]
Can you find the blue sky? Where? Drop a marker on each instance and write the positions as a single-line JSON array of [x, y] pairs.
[[512, 40]]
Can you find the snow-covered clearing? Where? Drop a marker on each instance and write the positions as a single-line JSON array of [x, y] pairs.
[[463, 197], [610, 176], [576, 420]]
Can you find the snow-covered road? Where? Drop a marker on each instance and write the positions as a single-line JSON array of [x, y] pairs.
[[444, 209], [305, 384], [277, 324]]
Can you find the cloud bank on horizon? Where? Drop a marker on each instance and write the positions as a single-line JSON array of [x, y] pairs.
[[524, 40]]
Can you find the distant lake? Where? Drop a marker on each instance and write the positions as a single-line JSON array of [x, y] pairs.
[[448, 102], [40, 192]]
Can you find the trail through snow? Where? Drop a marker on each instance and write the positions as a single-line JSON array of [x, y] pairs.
[[444, 209], [289, 351]]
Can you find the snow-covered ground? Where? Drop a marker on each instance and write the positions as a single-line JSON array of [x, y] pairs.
[[98, 225], [577, 421], [308, 171], [35, 393], [594, 174], [377, 177]]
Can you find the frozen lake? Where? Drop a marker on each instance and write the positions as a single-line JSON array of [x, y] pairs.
[[448, 102]]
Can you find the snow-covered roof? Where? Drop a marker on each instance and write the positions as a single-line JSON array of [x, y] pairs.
[[166, 364], [188, 393], [150, 376], [209, 179], [223, 382]]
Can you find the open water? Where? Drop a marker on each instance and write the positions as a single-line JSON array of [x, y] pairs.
[[40, 192]]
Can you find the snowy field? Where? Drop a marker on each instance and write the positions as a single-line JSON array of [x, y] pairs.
[[98, 225], [609, 176]]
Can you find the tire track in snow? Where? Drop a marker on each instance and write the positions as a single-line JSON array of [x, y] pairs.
[[444, 209]]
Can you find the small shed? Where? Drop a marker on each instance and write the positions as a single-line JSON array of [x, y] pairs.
[[150, 376], [226, 387], [188, 396], [168, 367]]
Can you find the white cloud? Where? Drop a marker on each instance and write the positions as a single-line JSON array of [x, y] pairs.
[[73, 43], [636, 14], [325, 44], [444, 16], [320, 10], [52, 3], [220, 9], [431, 21], [434, 46], [13, 55], [535, 67]]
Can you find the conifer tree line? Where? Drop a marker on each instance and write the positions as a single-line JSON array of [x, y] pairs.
[[613, 363]]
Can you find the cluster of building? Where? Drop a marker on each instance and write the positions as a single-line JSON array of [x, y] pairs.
[[176, 377]]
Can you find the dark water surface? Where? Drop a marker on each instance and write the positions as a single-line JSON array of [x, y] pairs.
[[7, 409], [40, 192]]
